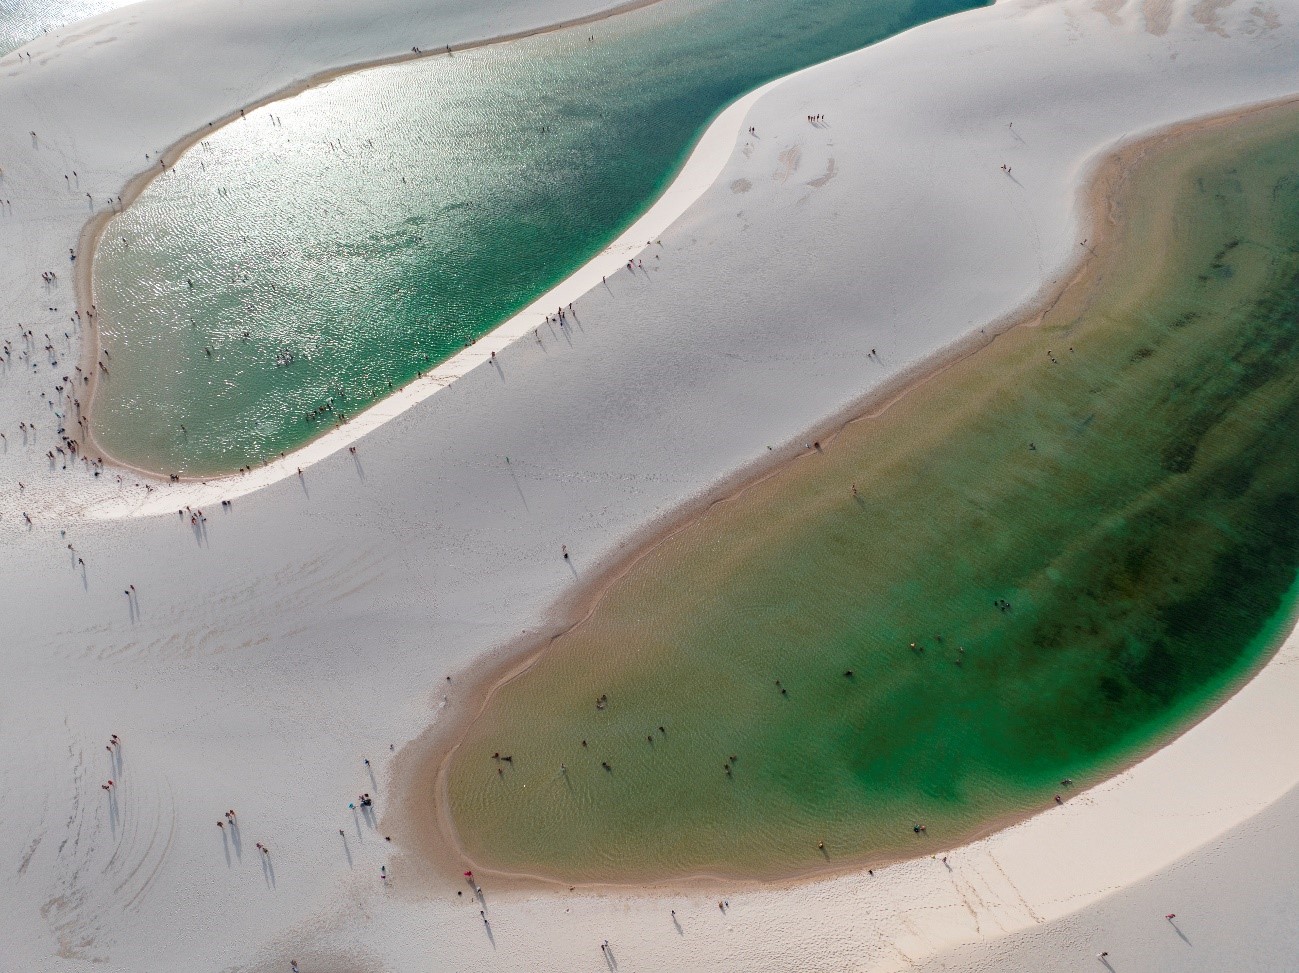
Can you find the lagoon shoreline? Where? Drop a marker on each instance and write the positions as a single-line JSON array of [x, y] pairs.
[[90, 235], [424, 817]]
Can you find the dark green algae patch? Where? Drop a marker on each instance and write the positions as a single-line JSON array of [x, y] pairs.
[[1059, 553]]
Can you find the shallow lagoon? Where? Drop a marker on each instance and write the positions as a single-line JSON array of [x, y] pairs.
[[1059, 552]]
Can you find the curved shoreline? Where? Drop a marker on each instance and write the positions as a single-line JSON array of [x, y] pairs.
[[423, 763], [93, 230]]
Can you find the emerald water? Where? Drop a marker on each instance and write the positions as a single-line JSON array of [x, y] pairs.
[[1059, 552], [328, 248]]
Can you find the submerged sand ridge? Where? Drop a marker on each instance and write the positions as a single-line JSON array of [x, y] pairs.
[[1027, 570], [316, 622]]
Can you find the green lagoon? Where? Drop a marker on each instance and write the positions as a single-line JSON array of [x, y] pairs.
[[331, 246], [1060, 552]]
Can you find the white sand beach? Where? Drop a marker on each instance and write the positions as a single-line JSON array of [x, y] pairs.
[[254, 660]]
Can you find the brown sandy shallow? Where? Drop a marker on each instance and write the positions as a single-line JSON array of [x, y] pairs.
[[419, 815], [93, 230]]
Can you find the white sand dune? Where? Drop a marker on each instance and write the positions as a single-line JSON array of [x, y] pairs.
[[265, 653]]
